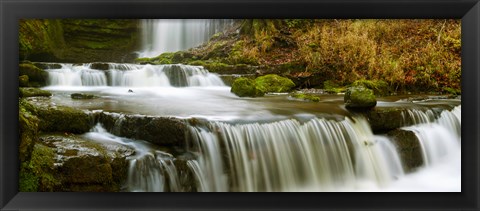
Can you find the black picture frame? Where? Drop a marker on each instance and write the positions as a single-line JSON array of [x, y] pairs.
[[12, 10]]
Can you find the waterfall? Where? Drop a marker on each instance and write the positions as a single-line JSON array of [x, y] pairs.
[[287, 155], [171, 35], [131, 75], [438, 138], [74, 75]]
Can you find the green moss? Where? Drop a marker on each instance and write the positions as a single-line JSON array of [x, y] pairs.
[[33, 92], [359, 97], [306, 97], [274, 83], [36, 77], [37, 173], [333, 87], [379, 87], [63, 119], [244, 87], [23, 80], [28, 130], [452, 91]]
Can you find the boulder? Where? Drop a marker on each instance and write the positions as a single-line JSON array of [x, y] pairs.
[[359, 97], [274, 83], [244, 87], [408, 147], [36, 76]]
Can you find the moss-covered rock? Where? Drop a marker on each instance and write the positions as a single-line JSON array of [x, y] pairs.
[[333, 87], [36, 76], [274, 83], [38, 173], [28, 130], [82, 96], [408, 147], [23, 81], [305, 97], [33, 92], [244, 87], [63, 119], [384, 119], [359, 97], [379, 87], [85, 165]]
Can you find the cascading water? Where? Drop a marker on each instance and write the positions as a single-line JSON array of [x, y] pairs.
[[133, 76], [171, 35]]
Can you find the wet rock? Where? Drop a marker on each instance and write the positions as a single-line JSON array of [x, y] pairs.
[[384, 119], [33, 92], [359, 97], [45, 66], [408, 147], [244, 87], [85, 165], [163, 131], [305, 97], [100, 66]]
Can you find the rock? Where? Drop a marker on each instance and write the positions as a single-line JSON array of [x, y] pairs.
[[23, 81], [63, 119], [162, 131], [45, 66], [85, 165], [359, 97], [82, 96], [28, 131], [33, 92], [384, 119], [305, 97], [37, 77], [408, 147], [379, 87], [274, 83], [100, 66], [244, 87]]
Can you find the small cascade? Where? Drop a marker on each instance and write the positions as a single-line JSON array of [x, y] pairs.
[[171, 35], [150, 170], [130, 75], [287, 155], [440, 137], [75, 75]]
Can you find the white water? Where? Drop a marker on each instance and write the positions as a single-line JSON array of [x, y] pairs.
[[171, 35], [314, 156], [130, 75]]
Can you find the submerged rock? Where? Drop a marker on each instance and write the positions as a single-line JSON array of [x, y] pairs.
[[82, 96], [244, 87], [408, 147], [359, 97], [305, 97]]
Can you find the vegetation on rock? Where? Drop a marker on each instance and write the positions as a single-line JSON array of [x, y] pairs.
[[36, 76], [306, 97], [274, 83], [33, 92], [359, 97], [245, 87]]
